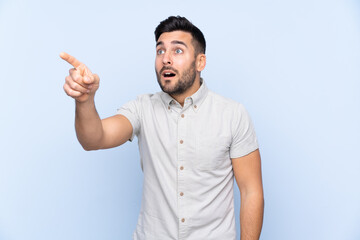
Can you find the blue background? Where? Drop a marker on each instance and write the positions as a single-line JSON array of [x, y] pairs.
[[293, 64]]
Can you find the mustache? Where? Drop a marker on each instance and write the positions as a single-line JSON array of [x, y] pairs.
[[168, 68]]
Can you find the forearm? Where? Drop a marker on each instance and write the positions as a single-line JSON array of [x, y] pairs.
[[88, 125], [251, 215]]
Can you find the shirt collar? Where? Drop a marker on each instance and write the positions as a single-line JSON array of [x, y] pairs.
[[197, 98]]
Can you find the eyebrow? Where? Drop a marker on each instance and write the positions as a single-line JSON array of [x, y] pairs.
[[172, 42]]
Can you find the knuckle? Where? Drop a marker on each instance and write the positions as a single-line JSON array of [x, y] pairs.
[[73, 85], [78, 87], [74, 73], [77, 78], [71, 93], [66, 89], [68, 79], [96, 77], [74, 93]]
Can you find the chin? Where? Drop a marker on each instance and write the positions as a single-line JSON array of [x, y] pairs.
[[169, 82], [167, 88]]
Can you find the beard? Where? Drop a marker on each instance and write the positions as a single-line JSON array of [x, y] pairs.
[[185, 81]]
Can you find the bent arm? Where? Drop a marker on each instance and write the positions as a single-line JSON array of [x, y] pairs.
[[247, 171], [94, 133]]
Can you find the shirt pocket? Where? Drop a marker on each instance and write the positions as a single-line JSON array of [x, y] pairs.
[[212, 152]]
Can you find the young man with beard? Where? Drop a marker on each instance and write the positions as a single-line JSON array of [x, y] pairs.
[[192, 143]]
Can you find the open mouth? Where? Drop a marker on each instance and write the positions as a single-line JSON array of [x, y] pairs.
[[168, 74]]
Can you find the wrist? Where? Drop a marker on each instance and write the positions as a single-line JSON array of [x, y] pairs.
[[90, 102]]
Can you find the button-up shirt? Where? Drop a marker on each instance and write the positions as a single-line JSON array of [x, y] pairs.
[[186, 156]]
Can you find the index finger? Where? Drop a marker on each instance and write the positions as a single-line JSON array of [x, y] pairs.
[[70, 59]]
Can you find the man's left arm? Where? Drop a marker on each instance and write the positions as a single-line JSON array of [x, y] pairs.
[[247, 171]]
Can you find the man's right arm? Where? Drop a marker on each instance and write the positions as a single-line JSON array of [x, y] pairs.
[[92, 132]]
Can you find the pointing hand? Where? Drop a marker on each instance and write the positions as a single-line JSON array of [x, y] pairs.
[[81, 84]]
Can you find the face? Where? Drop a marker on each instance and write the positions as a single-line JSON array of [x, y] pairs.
[[175, 62]]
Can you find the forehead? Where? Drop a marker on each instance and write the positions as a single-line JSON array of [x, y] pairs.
[[168, 37]]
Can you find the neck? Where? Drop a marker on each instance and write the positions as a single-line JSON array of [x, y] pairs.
[[180, 98]]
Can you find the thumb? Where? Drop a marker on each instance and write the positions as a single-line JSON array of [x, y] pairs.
[[89, 79]]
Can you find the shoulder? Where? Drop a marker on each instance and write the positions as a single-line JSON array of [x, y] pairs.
[[220, 101], [141, 106], [141, 101], [148, 98], [229, 110]]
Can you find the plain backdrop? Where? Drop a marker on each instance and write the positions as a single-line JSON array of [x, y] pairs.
[[295, 65]]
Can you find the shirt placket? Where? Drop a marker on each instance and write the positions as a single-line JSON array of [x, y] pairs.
[[183, 145]]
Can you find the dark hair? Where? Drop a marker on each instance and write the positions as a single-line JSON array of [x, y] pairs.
[[178, 23]]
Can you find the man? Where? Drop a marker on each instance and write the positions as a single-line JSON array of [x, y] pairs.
[[192, 143]]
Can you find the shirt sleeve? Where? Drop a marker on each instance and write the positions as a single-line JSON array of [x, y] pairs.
[[131, 111], [244, 138]]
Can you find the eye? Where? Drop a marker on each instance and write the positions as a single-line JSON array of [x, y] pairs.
[[178, 51], [160, 51]]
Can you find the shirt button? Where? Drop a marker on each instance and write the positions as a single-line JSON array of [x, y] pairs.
[[183, 220], [181, 194], [181, 168], [181, 141], [195, 106], [182, 115], [169, 107]]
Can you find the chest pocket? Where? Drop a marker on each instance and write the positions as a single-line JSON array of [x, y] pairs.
[[212, 152]]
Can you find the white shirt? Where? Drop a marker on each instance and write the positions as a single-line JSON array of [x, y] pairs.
[[186, 160]]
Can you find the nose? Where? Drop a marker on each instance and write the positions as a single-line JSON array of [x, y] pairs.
[[167, 59]]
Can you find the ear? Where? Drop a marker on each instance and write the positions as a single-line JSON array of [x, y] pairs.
[[200, 62]]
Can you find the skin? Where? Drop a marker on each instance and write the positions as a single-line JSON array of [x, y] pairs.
[[247, 172], [92, 132], [176, 53]]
